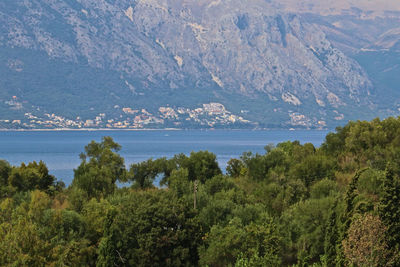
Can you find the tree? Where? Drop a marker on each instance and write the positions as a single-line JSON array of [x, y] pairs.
[[21, 245], [100, 168], [150, 228], [143, 173], [94, 214], [202, 165], [179, 183], [30, 177], [45, 179], [389, 209], [365, 244], [331, 238], [255, 165], [5, 170], [347, 216], [304, 226], [257, 242], [313, 168], [351, 195], [323, 188], [218, 183], [234, 167]]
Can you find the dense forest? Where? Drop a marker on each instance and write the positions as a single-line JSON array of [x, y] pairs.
[[294, 205]]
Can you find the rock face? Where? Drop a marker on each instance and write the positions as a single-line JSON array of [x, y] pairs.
[[261, 59]]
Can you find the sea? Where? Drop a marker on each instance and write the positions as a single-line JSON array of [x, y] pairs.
[[60, 149]]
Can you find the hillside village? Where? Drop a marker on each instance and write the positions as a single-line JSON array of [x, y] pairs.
[[208, 116]]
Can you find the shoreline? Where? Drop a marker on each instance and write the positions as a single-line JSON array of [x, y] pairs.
[[85, 130], [153, 129]]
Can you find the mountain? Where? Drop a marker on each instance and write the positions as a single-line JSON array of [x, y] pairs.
[[189, 64]]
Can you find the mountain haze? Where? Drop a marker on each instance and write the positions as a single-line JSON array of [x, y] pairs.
[[168, 63]]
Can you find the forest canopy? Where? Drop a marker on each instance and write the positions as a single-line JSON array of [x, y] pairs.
[[294, 205]]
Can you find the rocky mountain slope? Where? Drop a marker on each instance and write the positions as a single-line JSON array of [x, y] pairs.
[[273, 64]]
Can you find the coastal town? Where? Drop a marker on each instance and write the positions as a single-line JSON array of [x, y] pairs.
[[211, 115]]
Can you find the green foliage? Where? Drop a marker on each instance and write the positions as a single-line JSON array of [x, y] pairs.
[[218, 209], [26, 178], [370, 182], [323, 188], [389, 210], [331, 238], [235, 243], [201, 165], [255, 166], [180, 183], [143, 174], [304, 228], [34, 234], [313, 168], [94, 214], [351, 195], [5, 170], [31, 176], [217, 184], [347, 216], [100, 168], [256, 261], [295, 205], [234, 167], [21, 244], [150, 228]]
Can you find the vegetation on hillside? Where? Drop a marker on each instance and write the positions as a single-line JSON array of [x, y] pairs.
[[295, 205]]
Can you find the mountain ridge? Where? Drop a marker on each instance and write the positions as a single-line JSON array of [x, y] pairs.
[[264, 63]]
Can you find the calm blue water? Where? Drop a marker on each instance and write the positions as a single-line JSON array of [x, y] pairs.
[[60, 149]]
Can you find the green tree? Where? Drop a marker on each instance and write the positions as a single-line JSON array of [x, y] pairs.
[[304, 227], [389, 210], [150, 228], [202, 165], [21, 244], [350, 197], [324, 188], [257, 242], [331, 238], [218, 183], [234, 167], [347, 216], [179, 183], [313, 168], [5, 170], [30, 177], [143, 173], [100, 168], [94, 214], [255, 166]]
